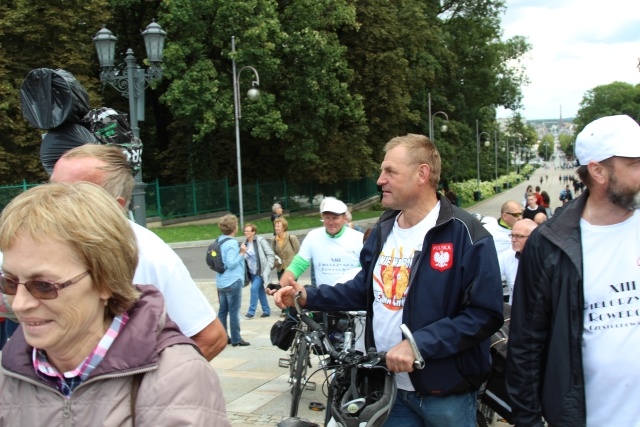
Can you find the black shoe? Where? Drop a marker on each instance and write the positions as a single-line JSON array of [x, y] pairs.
[[241, 343], [228, 340], [265, 315], [248, 316]]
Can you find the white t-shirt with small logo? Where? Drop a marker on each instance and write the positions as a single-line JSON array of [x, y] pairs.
[[611, 266], [391, 283]]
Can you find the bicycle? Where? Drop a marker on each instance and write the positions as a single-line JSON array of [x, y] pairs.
[[305, 344], [362, 390]]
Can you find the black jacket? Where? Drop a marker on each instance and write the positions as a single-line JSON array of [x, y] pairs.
[[451, 311], [544, 363]]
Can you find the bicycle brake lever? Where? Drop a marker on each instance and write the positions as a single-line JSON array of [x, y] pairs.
[[418, 363]]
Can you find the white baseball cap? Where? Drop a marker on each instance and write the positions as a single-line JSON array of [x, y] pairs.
[[333, 205], [607, 137]]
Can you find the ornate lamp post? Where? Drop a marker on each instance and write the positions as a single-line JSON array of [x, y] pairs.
[[443, 128], [253, 94], [131, 82]]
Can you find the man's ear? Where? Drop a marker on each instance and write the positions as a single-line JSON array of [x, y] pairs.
[[121, 201], [424, 171], [598, 172]]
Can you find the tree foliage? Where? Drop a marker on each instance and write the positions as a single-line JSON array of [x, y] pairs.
[[608, 100], [338, 79], [39, 34], [546, 147]]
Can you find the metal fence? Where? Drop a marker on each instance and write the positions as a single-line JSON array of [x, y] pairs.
[[200, 198]]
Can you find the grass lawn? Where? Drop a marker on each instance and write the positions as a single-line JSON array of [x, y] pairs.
[[187, 233]]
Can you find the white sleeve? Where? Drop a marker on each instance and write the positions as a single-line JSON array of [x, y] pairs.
[[160, 266]]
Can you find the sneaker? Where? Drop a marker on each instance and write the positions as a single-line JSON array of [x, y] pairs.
[[249, 316], [241, 343], [265, 315]]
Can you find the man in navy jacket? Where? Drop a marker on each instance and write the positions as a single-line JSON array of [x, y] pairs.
[[432, 266]]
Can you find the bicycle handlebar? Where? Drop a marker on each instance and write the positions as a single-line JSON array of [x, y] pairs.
[[372, 354]]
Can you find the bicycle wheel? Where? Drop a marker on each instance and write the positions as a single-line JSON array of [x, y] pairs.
[[299, 376]]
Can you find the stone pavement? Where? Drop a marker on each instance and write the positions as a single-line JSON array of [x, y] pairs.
[[256, 389]]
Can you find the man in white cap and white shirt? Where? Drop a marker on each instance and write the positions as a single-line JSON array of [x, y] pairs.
[[572, 355], [333, 249]]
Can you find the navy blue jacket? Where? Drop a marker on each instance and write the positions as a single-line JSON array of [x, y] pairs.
[[451, 311]]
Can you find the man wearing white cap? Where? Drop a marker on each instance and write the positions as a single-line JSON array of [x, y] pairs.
[[576, 308], [333, 249]]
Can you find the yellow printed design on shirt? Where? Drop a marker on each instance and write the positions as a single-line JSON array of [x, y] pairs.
[[394, 273]]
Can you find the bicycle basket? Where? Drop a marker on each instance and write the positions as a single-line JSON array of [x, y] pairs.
[[363, 396]]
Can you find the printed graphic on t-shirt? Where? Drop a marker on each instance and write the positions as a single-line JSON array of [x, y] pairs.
[[619, 309], [611, 289], [394, 273]]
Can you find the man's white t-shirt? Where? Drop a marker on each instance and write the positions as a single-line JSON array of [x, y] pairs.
[[508, 270], [391, 284], [500, 234], [331, 256], [611, 272], [160, 266]]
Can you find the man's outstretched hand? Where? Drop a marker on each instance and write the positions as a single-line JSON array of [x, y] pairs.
[[285, 296]]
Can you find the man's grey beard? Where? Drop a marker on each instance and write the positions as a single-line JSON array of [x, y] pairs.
[[626, 201]]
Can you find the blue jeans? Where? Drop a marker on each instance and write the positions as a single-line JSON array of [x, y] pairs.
[[258, 292], [411, 410], [230, 299]]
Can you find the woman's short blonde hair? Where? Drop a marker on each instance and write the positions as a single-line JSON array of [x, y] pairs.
[[284, 222], [228, 224], [90, 221]]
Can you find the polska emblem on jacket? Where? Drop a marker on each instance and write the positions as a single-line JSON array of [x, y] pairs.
[[442, 256]]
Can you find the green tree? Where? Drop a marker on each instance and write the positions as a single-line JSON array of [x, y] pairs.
[[25, 44], [546, 147], [608, 100], [567, 144], [479, 72], [327, 136]]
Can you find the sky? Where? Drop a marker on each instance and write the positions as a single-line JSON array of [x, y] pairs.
[[576, 45]]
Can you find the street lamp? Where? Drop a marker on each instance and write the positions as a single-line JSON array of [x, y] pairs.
[[131, 82], [443, 128], [478, 135], [546, 154], [518, 151], [253, 94], [495, 139]]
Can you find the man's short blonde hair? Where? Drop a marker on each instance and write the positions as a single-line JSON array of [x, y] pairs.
[[420, 150], [85, 217], [117, 173]]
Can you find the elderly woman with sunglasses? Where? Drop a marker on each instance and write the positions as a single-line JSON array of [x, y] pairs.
[[92, 348]]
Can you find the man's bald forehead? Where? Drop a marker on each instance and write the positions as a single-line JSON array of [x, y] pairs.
[[510, 206], [524, 226], [78, 169]]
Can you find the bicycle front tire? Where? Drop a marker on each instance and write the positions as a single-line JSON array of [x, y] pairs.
[[299, 374]]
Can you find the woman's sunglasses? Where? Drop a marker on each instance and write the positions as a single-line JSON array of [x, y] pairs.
[[40, 289]]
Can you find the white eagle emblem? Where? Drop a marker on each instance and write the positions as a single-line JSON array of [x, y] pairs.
[[441, 258]]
